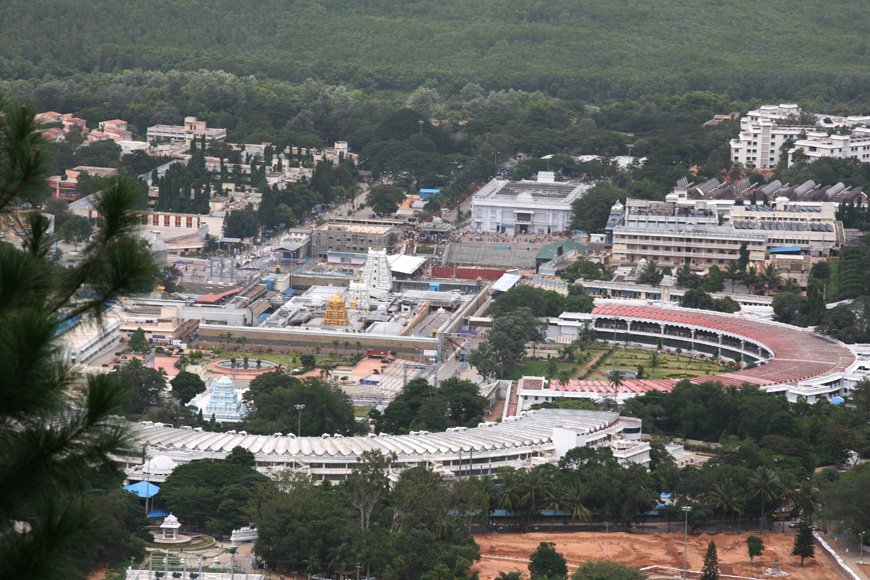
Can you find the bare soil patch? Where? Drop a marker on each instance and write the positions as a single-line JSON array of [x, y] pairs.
[[507, 552]]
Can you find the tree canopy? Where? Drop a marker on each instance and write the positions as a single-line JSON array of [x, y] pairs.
[[421, 406], [56, 442], [272, 400]]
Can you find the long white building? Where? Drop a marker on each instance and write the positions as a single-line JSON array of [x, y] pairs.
[[525, 440], [518, 207]]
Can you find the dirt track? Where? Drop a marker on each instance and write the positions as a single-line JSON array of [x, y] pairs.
[[506, 552]]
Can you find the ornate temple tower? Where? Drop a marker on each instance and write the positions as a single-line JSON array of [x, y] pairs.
[[336, 312], [376, 271]]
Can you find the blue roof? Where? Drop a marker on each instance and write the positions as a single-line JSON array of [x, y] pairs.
[[430, 190], [785, 249], [143, 489], [157, 513]]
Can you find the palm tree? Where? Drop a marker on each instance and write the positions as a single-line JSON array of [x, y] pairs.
[[733, 273], [766, 485], [573, 501], [686, 278], [791, 285], [615, 378], [724, 496], [564, 377], [753, 279], [531, 487], [770, 277]]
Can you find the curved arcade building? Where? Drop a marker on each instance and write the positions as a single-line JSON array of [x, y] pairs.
[[782, 358]]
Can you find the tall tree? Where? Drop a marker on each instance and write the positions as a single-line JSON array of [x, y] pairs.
[[367, 485], [54, 443], [766, 486], [710, 571], [743, 257], [733, 273], [545, 563], [186, 385], [804, 543]]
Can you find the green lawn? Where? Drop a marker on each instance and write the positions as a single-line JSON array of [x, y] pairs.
[[281, 358], [670, 365]]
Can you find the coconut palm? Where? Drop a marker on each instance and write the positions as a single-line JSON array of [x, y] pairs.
[[726, 497], [573, 502], [753, 279], [615, 378], [733, 273], [770, 277], [532, 488], [564, 377], [765, 485]]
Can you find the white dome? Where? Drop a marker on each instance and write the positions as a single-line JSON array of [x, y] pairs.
[[160, 464]]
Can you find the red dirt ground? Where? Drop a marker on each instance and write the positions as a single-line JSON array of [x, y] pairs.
[[507, 552]]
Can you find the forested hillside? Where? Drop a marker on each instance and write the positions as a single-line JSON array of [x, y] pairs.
[[590, 49]]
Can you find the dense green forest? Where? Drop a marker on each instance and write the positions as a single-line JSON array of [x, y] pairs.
[[595, 50]]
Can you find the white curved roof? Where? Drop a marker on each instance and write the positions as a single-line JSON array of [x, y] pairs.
[[536, 428], [159, 464]]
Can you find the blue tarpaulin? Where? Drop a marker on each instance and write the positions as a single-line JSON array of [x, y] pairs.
[[785, 250], [143, 489], [157, 513]]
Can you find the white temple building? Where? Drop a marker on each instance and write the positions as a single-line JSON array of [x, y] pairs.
[[376, 280], [376, 272], [221, 399]]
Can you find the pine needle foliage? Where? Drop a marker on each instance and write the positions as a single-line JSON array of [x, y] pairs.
[[58, 431]]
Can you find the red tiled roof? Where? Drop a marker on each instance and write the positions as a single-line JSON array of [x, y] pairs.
[[215, 298], [797, 354]]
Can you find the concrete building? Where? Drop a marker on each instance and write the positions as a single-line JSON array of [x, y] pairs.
[[775, 132], [66, 186], [193, 128], [673, 236], [763, 132], [542, 206], [686, 231], [818, 144], [350, 236], [86, 341], [813, 228]]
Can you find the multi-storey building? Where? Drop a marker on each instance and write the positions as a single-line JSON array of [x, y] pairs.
[[775, 132], [674, 233], [818, 144], [354, 236], [542, 206], [192, 128], [697, 246]]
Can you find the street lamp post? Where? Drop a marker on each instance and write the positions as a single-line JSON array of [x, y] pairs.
[[861, 547], [686, 510], [299, 408]]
